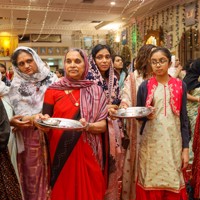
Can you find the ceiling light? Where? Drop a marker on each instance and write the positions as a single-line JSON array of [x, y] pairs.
[[112, 26], [112, 3]]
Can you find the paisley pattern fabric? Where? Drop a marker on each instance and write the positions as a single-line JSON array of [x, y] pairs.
[[26, 97], [9, 185], [110, 87]]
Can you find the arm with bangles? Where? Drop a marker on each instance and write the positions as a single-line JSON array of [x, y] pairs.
[[95, 127]]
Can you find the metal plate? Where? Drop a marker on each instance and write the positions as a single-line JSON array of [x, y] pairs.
[[133, 112], [61, 123]]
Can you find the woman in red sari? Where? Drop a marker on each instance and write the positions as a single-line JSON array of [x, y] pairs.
[[77, 162]]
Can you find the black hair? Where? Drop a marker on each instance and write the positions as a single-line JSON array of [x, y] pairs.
[[164, 50], [61, 71], [3, 66], [188, 64], [15, 55], [116, 55], [99, 47]]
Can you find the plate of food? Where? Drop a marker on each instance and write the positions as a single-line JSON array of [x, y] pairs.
[[61, 123], [133, 112]]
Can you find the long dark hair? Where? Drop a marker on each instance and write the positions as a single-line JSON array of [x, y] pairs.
[[124, 66], [99, 47]]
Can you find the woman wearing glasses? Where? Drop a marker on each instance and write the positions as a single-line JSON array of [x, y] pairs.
[[163, 152], [32, 77], [102, 72]]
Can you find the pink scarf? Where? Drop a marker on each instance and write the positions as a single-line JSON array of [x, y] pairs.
[[92, 103]]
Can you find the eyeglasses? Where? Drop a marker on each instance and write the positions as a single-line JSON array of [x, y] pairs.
[[160, 62], [100, 57], [22, 63]]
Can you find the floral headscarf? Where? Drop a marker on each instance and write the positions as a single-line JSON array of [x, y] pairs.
[[111, 88], [27, 92]]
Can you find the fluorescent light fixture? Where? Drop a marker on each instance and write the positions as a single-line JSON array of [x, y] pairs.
[[51, 63], [102, 24], [113, 26], [112, 3]]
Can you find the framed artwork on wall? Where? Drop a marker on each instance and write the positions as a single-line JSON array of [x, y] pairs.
[[87, 42], [190, 10], [64, 50], [43, 51], [57, 51], [124, 37], [50, 50], [35, 49]]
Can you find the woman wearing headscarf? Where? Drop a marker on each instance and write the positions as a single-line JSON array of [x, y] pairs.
[[77, 157], [102, 72], [32, 78]]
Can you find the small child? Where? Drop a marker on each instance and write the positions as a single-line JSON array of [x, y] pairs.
[[163, 151]]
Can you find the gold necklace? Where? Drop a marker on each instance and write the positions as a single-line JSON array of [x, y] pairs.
[[76, 101], [68, 91]]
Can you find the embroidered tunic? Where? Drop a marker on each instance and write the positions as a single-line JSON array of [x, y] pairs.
[[161, 143]]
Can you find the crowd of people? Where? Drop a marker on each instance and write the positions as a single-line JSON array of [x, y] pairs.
[[151, 158]]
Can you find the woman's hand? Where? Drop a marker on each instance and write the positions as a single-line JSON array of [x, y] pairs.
[[19, 122], [152, 115], [41, 117], [112, 110], [123, 105], [83, 122], [95, 127], [185, 158]]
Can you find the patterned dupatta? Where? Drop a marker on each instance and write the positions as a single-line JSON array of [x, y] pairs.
[[115, 132], [110, 87], [176, 92], [27, 92]]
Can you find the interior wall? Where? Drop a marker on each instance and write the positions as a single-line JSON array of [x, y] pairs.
[[172, 20]]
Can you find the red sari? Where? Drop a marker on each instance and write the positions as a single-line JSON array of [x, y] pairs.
[[81, 177]]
